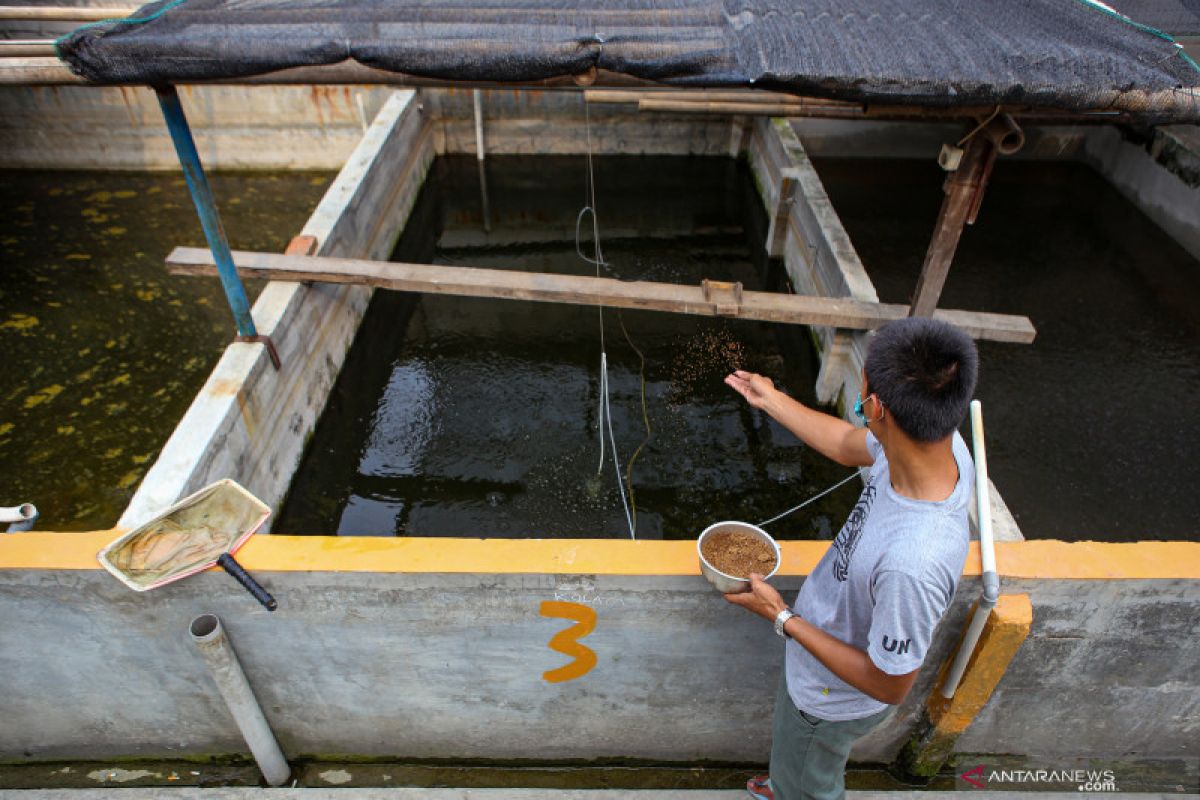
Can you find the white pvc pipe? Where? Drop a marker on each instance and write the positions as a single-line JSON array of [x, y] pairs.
[[987, 554], [983, 494], [477, 98], [22, 515], [209, 636]]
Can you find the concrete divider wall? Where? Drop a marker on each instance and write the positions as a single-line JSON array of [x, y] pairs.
[[250, 422], [384, 648], [236, 127]]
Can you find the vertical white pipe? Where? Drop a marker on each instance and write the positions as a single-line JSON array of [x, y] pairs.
[[209, 636], [477, 97], [987, 555], [983, 495]]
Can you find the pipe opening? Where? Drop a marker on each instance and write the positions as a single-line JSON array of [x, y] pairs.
[[204, 627]]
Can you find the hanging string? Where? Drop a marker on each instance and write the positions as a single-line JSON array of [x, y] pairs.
[[812, 499], [645, 419], [605, 415]]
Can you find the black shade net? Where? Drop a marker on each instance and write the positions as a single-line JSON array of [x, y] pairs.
[[1063, 54]]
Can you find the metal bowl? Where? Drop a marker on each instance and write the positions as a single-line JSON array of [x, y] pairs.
[[727, 583]]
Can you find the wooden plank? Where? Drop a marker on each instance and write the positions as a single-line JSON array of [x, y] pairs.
[[584, 290]]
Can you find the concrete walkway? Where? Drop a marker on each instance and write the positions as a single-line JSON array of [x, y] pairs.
[[241, 793]]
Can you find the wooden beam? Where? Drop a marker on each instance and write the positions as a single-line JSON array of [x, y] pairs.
[[585, 290]]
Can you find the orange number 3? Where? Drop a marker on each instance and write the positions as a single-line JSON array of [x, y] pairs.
[[566, 641]]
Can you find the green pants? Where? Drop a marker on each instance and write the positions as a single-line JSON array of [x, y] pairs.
[[808, 755]]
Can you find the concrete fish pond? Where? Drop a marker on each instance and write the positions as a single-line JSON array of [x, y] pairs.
[[103, 351], [464, 416]]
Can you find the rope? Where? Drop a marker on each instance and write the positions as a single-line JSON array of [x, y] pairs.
[[612, 440], [1110, 11], [978, 127], [812, 499]]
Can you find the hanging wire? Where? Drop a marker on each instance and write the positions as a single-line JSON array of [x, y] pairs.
[[605, 415]]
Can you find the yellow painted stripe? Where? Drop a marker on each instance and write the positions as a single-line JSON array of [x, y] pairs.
[[1036, 559]]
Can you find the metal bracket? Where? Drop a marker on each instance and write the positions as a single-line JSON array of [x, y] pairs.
[[725, 297], [261, 339]]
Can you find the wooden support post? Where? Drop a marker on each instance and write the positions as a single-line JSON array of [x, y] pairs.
[[964, 192], [789, 179]]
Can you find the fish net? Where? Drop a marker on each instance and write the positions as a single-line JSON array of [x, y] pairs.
[[187, 538]]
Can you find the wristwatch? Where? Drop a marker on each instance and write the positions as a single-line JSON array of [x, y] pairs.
[[781, 620]]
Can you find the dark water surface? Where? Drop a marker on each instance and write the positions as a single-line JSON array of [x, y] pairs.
[[1091, 430], [103, 351], [474, 417]]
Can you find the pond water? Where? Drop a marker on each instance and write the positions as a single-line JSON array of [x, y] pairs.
[[1090, 429], [103, 351], [475, 417]]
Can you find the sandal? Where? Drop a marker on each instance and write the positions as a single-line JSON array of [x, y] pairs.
[[760, 788]]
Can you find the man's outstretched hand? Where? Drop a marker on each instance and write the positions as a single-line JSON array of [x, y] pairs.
[[759, 597], [755, 388]]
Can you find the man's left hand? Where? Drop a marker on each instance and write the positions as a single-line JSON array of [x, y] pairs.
[[759, 597]]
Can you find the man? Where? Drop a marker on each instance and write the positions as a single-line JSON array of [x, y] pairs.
[[863, 619]]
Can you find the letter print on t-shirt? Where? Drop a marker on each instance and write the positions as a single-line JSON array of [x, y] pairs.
[[847, 538]]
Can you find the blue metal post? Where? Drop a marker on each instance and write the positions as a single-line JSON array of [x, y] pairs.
[[206, 207]]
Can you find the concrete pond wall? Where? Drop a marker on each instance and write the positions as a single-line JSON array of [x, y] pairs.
[[441, 648]]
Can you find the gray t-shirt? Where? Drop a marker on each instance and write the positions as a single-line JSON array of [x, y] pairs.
[[882, 586]]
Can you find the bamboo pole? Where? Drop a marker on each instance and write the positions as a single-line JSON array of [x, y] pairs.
[[619, 96], [26, 47], [62, 13]]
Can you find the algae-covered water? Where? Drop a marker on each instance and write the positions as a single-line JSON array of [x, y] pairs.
[[1091, 431], [474, 417], [103, 351]]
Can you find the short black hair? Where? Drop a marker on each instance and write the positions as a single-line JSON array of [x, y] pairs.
[[924, 372]]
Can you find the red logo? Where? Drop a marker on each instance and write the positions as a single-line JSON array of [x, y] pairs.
[[978, 780]]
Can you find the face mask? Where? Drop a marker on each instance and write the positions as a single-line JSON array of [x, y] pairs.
[[858, 409]]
